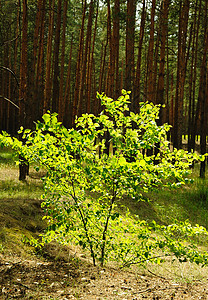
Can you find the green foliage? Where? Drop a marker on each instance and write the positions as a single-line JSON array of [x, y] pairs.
[[83, 184]]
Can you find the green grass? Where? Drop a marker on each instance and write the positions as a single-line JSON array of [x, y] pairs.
[[24, 190], [10, 186], [20, 201], [190, 202]]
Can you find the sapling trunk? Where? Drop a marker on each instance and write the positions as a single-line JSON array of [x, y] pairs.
[[23, 168], [85, 226], [106, 228]]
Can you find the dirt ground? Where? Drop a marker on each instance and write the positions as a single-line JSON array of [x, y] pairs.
[[46, 279]]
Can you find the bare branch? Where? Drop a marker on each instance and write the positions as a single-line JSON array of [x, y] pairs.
[[9, 70], [10, 41], [10, 101]]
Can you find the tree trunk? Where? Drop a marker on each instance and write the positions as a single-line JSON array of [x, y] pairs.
[[130, 36], [160, 86], [193, 127], [90, 66], [78, 66], [181, 72], [116, 28], [23, 85], [66, 104], [61, 107], [111, 64], [203, 89], [48, 87], [84, 63], [150, 55], [193, 53], [56, 60], [139, 59], [39, 84]]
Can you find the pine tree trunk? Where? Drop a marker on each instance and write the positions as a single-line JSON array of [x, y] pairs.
[[193, 53], [139, 59], [48, 87], [81, 101], [109, 89], [150, 55], [181, 72], [90, 66], [161, 82], [39, 82], [193, 127], [130, 36], [116, 29], [202, 99], [61, 107], [23, 169], [78, 66], [66, 105], [56, 60]]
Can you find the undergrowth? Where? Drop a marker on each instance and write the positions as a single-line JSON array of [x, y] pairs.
[[22, 218]]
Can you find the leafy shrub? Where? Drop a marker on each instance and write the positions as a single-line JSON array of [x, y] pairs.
[[83, 183]]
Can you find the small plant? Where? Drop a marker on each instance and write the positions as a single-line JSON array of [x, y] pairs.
[[83, 184]]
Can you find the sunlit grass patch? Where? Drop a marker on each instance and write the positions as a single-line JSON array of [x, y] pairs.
[[188, 202], [15, 189]]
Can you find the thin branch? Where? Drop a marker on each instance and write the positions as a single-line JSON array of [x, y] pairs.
[[84, 224], [12, 40], [159, 289], [10, 101], [159, 276], [9, 70], [135, 262]]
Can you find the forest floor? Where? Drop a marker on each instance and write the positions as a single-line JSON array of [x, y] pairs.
[[62, 272], [46, 279]]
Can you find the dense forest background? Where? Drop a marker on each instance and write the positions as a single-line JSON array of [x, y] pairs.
[[56, 54]]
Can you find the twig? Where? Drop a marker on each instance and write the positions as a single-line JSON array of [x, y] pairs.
[[157, 275], [10, 101], [25, 286], [10, 41], [159, 289], [9, 70], [145, 291], [133, 262]]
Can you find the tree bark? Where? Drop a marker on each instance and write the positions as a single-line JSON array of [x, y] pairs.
[[130, 37], [56, 60], [78, 66], [81, 101], [150, 55], [66, 104], [23, 169], [139, 60], [193, 127], [116, 29], [48, 82], [61, 106], [90, 66], [181, 72], [161, 82]]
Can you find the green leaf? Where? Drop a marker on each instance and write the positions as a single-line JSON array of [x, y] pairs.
[[46, 118]]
